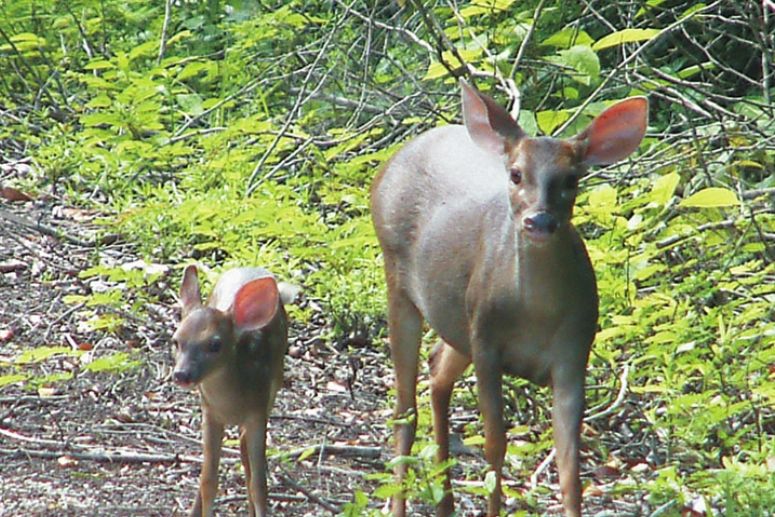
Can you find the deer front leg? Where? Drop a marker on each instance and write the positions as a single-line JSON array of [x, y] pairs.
[[405, 333], [567, 413], [489, 380], [254, 438], [212, 437], [446, 366], [245, 457]]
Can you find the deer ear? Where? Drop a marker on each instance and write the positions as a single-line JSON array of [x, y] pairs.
[[489, 125], [190, 296], [616, 132], [255, 304]]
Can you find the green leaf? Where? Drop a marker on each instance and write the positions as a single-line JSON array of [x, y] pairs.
[[625, 36], [527, 121], [96, 119], [117, 362], [388, 490], [549, 120], [309, 451], [436, 69], [192, 69], [12, 378], [583, 60], [37, 355], [100, 64], [567, 37], [710, 198], [485, 7], [100, 101], [490, 481], [664, 188], [602, 200], [695, 69], [191, 103]]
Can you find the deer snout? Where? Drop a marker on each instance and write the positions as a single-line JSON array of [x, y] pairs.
[[184, 378], [541, 224]]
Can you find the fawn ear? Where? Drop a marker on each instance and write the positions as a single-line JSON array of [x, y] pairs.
[[190, 296], [616, 132], [255, 304], [489, 125]]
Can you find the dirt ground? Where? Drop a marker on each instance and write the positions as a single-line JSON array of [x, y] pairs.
[[128, 443], [79, 442]]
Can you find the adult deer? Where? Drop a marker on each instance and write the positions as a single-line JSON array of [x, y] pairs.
[[475, 226]]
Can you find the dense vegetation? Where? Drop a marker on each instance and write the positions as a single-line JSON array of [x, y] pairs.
[[248, 132]]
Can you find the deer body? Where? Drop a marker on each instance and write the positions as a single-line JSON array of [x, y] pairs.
[[467, 253], [474, 224], [233, 349]]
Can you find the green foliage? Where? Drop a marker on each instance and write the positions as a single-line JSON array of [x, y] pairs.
[[252, 136]]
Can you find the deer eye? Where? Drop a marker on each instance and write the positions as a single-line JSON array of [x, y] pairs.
[[516, 175], [214, 345], [572, 182]]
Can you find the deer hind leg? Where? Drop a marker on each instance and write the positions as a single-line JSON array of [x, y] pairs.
[[447, 364], [405, 334]]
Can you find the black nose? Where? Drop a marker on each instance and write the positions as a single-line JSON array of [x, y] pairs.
[[182, 376], [542, 222]]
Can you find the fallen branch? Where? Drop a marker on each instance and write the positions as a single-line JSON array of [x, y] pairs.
[[54, 232], [541, 467], [100, 456], [348, 451]]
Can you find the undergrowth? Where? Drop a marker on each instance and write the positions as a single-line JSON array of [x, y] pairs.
[[253, 136]]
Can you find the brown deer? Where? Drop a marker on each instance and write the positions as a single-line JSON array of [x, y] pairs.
[[474, 222], [233, 349]]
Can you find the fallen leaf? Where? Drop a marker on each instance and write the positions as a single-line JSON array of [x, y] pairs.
[[606, 471], [10, 266], [67, 462], [44, 392], [125, 418], [78, 214], [593, 491], [696, 508], [335, 386], [6, 335], [12, 194]]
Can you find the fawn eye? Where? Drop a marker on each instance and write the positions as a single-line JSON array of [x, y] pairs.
[[214, 345], [516, 175], [572, 182]]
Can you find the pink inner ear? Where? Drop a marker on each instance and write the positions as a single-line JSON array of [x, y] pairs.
[[616, 132], [256, 304]]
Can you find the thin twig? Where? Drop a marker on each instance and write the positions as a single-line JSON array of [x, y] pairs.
[[253, 182], [623, 386], [164, 28], [542, 467]]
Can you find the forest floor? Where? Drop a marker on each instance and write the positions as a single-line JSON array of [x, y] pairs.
[[76, 441]]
